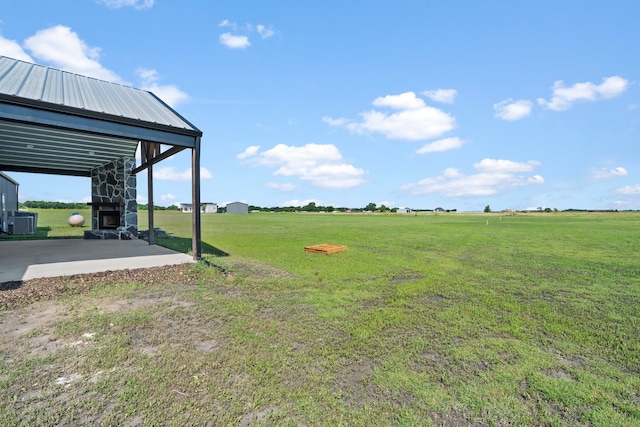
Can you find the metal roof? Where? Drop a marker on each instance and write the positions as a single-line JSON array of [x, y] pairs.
[[53, 121], [8, 178]]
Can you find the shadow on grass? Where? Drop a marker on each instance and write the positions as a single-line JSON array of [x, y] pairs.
[[183, 244]]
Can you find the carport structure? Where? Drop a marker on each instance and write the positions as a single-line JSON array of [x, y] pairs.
[[60, 123]]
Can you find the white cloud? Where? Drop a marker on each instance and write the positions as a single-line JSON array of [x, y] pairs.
[[404, 101], [226, 23], [170, 94], [512, 110], [605, 173], [445, 96], [493, 177], [441, 145], [281, 186], [141, 199], [64, 49], [415, 121], [335, 122], [629, 190], [505, 166], [264, 32], [563, 97], [291, 157], [168, 197], [248, 152], [234, 42], [136, 4], [322, 165], [169, 173], [612, 86], [12, 49]]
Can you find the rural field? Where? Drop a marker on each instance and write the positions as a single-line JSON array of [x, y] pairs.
[[445, 320]]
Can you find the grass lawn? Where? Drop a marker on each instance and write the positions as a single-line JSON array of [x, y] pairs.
[[453, 319]]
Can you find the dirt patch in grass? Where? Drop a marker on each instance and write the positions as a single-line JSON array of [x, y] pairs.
[[17, 294], [33, 306]]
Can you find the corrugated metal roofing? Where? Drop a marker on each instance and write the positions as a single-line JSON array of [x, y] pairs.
[[52, 121], [49, 85]]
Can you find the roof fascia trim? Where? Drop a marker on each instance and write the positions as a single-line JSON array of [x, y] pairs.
[[48, 171], [12, 99], [96, 125], [8, 178]]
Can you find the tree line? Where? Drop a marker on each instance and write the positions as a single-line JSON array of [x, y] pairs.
[[309, 207], [40, 204]]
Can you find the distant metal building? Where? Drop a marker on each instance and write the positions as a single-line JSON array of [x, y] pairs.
[[238, 208], [8, 200]]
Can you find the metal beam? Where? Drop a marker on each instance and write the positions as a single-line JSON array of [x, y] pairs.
[[74, 120], [28, 169], [196, 232], [148, 151], [156, 158]]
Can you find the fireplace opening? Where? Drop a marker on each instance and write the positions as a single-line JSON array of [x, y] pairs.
[[108, 220]]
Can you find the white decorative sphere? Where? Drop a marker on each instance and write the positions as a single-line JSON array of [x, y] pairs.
[[76, 220]]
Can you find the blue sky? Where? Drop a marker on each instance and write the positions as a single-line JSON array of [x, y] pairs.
[[420, 104]]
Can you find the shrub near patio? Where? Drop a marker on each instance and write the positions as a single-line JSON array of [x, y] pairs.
[[454, 319]]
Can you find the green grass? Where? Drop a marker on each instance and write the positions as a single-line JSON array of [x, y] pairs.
[[454, 319]]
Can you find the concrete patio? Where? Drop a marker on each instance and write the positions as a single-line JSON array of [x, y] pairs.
[[30, 259]]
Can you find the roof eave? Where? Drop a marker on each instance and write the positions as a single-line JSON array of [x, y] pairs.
[[47, 106]]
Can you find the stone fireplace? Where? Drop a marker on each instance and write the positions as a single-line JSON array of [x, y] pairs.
[[114, 211]]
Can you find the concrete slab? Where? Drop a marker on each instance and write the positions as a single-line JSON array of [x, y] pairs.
[[30, 259]]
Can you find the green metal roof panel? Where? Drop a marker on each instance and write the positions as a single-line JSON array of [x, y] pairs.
[[60, 88]]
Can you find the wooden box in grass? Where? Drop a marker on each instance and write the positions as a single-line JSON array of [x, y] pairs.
[[325, 248]]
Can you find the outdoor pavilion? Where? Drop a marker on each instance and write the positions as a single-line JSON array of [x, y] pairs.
[[60, 123]]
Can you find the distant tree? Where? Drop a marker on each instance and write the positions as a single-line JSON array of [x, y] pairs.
[[370, 207], [487, 208], [311, 207]]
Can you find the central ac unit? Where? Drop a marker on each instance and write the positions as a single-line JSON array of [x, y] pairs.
[[21, 225]]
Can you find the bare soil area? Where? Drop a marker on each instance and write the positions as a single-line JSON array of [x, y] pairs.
[[18, 294]]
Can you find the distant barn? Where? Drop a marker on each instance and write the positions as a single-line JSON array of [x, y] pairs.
[[8, 200], [238, 207]]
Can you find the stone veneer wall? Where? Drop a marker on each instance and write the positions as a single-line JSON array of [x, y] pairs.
[[114, 183]]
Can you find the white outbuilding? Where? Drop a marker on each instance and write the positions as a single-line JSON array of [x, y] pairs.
[[205, 207]]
